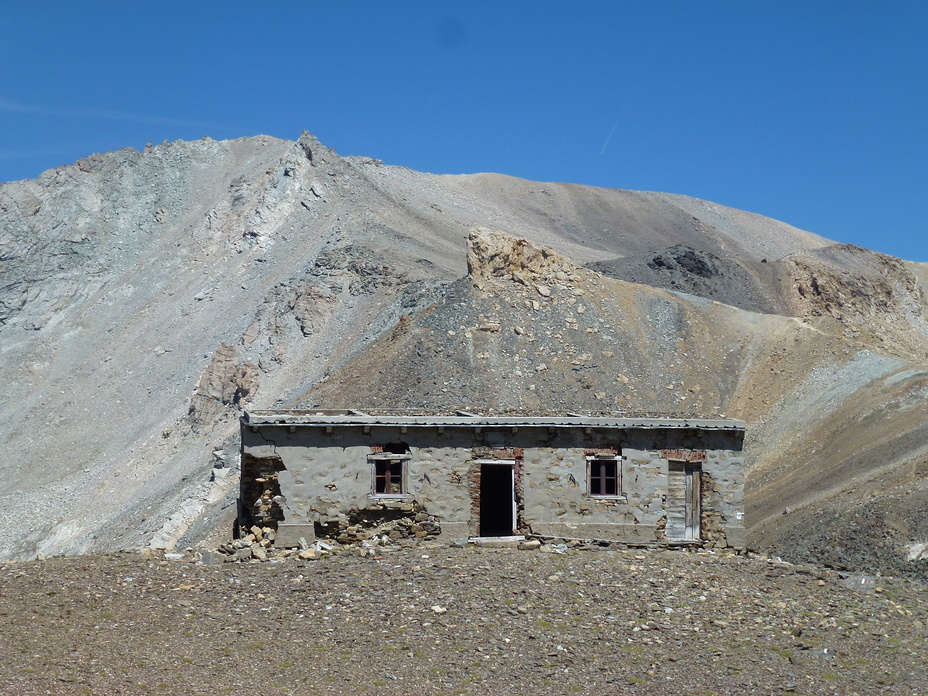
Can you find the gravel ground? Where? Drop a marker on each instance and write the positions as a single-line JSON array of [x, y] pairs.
[[439, 620]]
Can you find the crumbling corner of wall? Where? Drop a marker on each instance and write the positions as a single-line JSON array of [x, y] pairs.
[[261, 500], [660, 533]]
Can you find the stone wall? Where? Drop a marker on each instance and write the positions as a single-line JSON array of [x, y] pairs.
[[326, 478]]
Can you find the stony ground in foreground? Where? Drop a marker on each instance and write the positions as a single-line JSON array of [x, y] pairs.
[[436, 620]]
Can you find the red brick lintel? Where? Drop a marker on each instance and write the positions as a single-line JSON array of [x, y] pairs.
[[603, 451], [680, 455]]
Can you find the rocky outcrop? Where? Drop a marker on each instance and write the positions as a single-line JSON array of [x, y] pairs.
[[875, 297], [495, 254], [743, 283], [226, 382]]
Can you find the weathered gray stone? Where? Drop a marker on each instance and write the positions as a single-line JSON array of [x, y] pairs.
[[861, 583], [297, 535], [211, 558], [498, 542]]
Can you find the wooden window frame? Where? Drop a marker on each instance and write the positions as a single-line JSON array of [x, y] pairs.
[[591, 461], [386, 457]]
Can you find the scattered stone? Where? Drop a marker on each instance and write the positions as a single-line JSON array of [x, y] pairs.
[[861, 583], [602, 614], [211, 558]]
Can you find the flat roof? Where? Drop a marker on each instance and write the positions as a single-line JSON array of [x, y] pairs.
[[350, 417]]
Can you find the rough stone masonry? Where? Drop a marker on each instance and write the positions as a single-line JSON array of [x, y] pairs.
[[465, 476]]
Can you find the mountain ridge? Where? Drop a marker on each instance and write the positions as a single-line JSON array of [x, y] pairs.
[[147, 297]]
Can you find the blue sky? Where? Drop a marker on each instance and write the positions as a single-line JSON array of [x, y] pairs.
[[815, 113]]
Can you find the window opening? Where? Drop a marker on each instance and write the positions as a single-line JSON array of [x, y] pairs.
[[388, 476], [604, 476], [389, 469]]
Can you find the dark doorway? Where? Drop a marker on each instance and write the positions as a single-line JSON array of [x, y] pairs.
[[497, 500]]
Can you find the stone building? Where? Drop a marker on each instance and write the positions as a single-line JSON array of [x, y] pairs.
[[633, 480]]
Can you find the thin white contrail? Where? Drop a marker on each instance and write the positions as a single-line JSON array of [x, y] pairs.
[[19, 108], [609, 137]]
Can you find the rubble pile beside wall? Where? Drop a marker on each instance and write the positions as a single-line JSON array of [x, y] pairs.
[[382, 524]]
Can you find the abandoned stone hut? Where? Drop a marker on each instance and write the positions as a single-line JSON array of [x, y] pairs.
[[461, 476]]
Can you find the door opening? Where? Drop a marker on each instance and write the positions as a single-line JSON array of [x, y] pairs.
[[684, 501], [693, 476], [497, 499]]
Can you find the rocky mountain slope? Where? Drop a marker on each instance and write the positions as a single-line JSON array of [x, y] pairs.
[[145, 298]]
